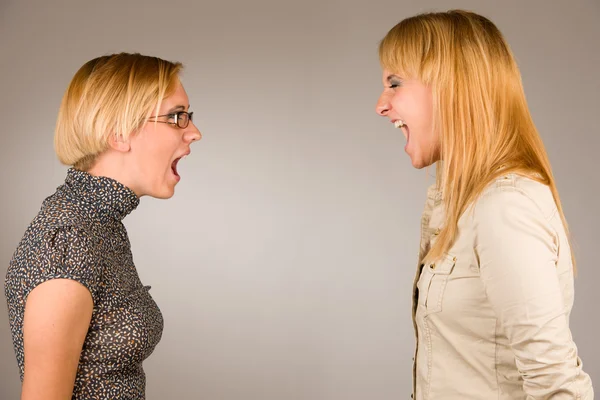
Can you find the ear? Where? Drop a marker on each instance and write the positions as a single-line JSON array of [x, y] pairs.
[[118, 143]]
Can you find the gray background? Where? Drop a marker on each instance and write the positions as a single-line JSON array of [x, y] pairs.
[[283, 265]]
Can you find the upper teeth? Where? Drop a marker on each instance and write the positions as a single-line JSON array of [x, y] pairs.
[[399, 123]]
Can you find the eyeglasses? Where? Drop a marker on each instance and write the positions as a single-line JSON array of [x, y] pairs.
[[181, 119]]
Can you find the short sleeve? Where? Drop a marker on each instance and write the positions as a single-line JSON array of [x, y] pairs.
[[63, 253]]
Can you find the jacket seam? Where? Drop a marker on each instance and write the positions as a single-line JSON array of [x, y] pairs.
[[496, 359]]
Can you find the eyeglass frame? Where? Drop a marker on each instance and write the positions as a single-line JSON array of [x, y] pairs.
[[175, 115]]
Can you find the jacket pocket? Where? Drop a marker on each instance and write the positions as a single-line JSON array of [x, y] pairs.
[[435, 277]]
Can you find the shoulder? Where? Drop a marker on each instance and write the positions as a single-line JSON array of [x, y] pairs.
[[59, 210], [514, 193], [512, 211], [53, 246], [60, 224], [57, 244], [66, 252]]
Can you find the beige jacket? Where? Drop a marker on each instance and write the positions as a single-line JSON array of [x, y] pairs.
[[492, 315]]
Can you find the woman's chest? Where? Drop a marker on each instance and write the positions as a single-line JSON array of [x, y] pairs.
[[126, 323], [449, 291]]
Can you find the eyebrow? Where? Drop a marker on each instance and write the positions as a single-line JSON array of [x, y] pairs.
[[178, 108]]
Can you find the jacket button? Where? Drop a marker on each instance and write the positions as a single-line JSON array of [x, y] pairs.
[[432, 266]]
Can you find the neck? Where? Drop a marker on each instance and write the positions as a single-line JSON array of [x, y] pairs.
[[112, 165]]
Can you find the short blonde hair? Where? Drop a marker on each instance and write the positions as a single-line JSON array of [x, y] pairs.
[[110, 95], [480, 111]]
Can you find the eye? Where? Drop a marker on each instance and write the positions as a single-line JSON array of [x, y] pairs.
[[172, 116]]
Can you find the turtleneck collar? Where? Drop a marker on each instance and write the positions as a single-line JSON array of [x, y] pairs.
[[108, 196]]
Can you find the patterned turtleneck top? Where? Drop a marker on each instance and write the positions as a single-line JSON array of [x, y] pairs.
[[78, 234]]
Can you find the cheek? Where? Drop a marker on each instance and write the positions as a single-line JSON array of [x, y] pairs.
[[423, 114], [398, 104], [154, 152], [409, 108], [150, 152]]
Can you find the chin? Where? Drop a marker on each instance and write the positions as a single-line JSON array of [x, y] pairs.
[[167, 194], [163, 193], [418, 164]]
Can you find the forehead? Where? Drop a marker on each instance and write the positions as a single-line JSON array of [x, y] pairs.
[[179, 93], [178, 98]]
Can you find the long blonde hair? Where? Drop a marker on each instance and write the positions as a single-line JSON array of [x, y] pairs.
[[109, 95], [480, 110]]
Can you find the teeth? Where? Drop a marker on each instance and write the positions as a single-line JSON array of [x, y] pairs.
[[399, 123]]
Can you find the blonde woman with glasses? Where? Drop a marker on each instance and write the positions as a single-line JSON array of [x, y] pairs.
[[494, 284], [82, 322]]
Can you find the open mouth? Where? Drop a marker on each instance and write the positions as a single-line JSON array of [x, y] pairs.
[[174, 165], [399, 124]]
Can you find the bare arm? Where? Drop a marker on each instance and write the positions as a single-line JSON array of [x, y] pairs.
[[57, 317]]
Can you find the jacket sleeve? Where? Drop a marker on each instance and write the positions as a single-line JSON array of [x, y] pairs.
[[517, 249]]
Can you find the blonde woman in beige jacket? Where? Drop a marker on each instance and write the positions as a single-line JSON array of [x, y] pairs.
[[494, 283]]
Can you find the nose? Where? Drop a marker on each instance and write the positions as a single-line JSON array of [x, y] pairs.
[[383, 105], [192, 134]]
